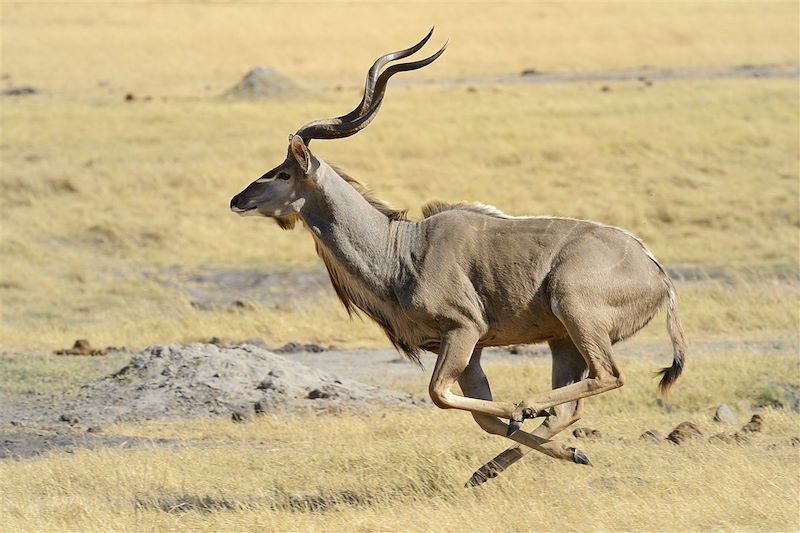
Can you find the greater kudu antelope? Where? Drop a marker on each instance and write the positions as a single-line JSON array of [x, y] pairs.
[[468, 276]]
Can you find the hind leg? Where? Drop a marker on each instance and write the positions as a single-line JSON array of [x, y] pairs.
[[592, 340], [474, 384], [568, 367]]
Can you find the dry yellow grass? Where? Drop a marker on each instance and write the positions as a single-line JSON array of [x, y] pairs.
[[404, 469]]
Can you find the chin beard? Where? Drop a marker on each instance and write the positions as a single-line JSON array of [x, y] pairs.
[[286, 221]]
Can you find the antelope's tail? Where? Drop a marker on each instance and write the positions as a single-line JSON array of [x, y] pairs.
[[670, 374]]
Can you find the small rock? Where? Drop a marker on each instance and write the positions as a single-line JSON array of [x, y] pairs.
[[317, 394], [605, 89], [795, 441], [70, 419], [130, 97], [725, 415], [94, 429], [529, 72], [754, 426], [683, 432], [586, 433], [239, 416], [652, 435]]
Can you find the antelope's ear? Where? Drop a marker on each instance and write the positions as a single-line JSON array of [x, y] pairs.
[[300, 152]]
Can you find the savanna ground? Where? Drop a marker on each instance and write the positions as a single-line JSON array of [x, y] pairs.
[[112, 210]]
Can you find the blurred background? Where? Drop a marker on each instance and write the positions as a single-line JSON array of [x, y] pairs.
[[128, 127]]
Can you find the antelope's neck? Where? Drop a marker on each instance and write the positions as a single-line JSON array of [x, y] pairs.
[[360, 245]]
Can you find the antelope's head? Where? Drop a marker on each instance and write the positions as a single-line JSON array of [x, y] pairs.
[[281, 192]]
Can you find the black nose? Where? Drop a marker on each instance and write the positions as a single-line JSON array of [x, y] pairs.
[[240, 203]]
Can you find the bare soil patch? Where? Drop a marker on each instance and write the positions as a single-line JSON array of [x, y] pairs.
[[169, 381], [180, 382]]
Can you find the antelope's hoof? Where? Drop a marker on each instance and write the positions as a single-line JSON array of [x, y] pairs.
[[481, 476], [513, 427], [580, 458], [474, 481]]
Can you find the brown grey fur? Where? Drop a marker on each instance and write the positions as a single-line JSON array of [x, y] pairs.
[[468, 276]]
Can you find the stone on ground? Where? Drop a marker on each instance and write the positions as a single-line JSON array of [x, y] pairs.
[[587, 433], [683, 432], [754, 425], [725, 415]]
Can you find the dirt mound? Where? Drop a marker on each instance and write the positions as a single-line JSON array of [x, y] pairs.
[[263, 82], [203, 379]]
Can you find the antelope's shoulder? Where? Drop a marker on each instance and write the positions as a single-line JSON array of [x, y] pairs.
[[436, 207]]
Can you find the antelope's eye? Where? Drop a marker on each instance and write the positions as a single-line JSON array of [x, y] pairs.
[[283, 176]]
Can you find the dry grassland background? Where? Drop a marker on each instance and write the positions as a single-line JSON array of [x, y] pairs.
[[115, 227]]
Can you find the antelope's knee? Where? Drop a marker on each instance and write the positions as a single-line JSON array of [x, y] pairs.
[[441, 397], [606, 381]]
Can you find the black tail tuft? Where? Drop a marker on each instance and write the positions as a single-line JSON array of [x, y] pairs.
[[669, 375]]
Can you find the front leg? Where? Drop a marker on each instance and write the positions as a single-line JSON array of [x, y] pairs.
[[454, 355]]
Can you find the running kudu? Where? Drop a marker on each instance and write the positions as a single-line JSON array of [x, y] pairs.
[[468, 276]]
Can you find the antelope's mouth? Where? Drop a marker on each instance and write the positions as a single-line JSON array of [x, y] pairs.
[[248, 212]]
